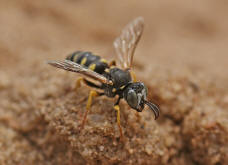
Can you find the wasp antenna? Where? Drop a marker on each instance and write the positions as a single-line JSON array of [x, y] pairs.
[[154, 108]]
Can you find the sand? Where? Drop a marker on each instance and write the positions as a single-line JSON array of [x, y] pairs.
[[182, 58]]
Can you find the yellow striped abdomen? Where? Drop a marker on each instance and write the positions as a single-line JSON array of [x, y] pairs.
[[89, 60]]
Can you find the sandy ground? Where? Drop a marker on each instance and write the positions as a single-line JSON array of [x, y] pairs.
[[182, 58]]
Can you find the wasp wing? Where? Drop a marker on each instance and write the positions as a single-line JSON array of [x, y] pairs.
[[74, 67], [126, 43]]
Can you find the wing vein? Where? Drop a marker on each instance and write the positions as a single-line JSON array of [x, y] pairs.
[[74, 67], [126, 43]]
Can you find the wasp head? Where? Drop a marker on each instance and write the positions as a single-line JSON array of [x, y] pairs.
[[136, 96]]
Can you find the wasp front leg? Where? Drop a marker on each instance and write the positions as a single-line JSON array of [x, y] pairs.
[[117, 108]]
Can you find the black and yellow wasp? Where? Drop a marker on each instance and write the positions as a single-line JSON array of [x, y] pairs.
[[110, 79]]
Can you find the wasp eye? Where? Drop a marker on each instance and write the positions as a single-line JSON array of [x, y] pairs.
[[132, 99]]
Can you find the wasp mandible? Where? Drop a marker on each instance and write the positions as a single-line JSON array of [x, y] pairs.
[[112, 80]]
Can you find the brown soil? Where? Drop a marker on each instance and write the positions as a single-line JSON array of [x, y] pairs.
[[182, 58]]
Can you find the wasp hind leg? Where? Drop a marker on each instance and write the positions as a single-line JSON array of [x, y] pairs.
[[91, 84], [88, 83], [78, 83], [117, 108], [92, 94], [81, 79]]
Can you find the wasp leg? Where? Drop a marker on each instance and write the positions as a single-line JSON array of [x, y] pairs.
[[78, 83], [92, 94], [117, 108], [91, 84], [133, 76]]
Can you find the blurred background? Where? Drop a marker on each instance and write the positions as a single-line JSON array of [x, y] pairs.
[[178, 34], [183, 47]]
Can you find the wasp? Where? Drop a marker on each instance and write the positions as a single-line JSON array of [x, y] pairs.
[[107, 77]]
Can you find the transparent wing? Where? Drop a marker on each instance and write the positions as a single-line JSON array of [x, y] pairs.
[[126, 43], [74, 67]]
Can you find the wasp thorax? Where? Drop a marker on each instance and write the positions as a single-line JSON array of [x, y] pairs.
[[135, 95]]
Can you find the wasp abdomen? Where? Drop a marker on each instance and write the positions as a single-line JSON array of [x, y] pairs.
[[89, 60]]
